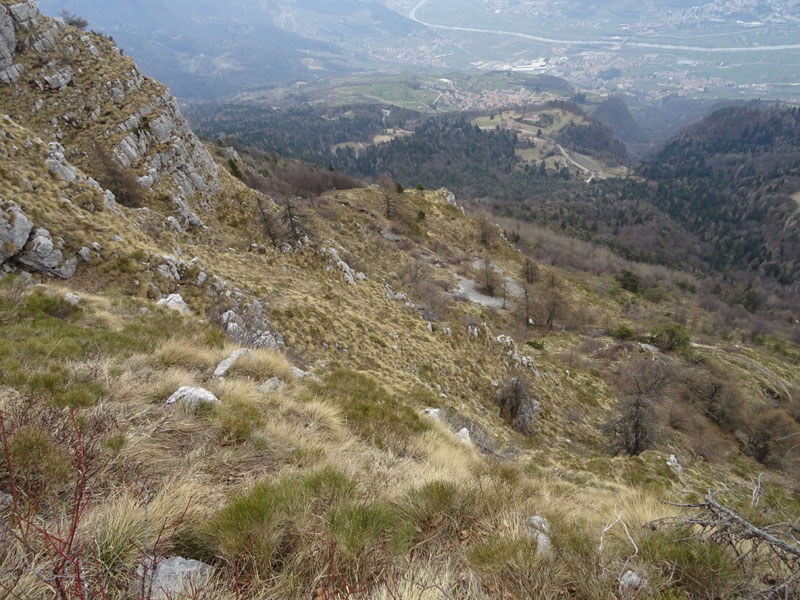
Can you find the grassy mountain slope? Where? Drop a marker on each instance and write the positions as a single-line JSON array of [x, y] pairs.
[[337, 484]]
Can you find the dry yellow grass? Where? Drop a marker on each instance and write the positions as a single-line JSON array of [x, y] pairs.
[[186, 353], [261, 364], [205, 458]]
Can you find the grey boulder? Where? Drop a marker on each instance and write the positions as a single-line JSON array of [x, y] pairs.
[[192, 397], [174, 577]]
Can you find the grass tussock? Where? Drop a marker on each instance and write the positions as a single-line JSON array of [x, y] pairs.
[[370, 410], [261, 365], [184, 353], [274, 523]]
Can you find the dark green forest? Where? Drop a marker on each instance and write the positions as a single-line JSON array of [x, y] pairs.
[[716, 198]]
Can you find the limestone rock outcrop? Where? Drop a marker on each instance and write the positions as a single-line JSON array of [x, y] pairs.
[[133, 116]]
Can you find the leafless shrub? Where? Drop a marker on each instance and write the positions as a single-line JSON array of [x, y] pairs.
[[517, 404], [633, 426], [74, 20], [112, 176]]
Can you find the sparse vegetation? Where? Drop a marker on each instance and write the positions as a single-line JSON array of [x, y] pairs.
[[411, 437]]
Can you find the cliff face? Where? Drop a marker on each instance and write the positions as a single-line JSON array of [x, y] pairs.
[[79, 90], [80, 124]]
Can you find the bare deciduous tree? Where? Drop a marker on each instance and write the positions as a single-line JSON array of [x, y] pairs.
[[295, 220], [74, 20], [632, 427], [487, 232], [517, 404], [272, 227], [530, 272]]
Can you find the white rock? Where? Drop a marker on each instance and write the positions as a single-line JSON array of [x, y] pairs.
[[57, 164], [60, 79], [436, 413], [225, 366], [85, 254], [14, 231], [630, 581], [300, 374], [192, 397], [73, 299], [673, 463], [175, 577], [174, 302], [44, 256], [110, 201], [463, 435], [540, 529]]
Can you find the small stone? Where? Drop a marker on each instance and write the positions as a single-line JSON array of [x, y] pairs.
[[463, 435], [630, 581], [192, 397], [73, 299], [174, 577], [225, 366], [270, 385], [673, 463], [85, 254]]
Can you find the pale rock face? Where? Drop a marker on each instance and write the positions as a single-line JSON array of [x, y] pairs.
[[174, 302], [299, 373], [230, 152], [110, 201], [73, 299], [166, 147], [58, 165], [25, 14], [540, 530], [248, 326], [350, 276], [15, 229], [188, 218], [43, 256], [463, 436], [175, 577], [60, 79], [9, 72], [226, 365], [192, 397]]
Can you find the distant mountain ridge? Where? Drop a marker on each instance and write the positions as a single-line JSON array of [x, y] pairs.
[[207, 49]]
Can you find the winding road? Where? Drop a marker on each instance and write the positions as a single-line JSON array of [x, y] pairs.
[[607, 43]]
